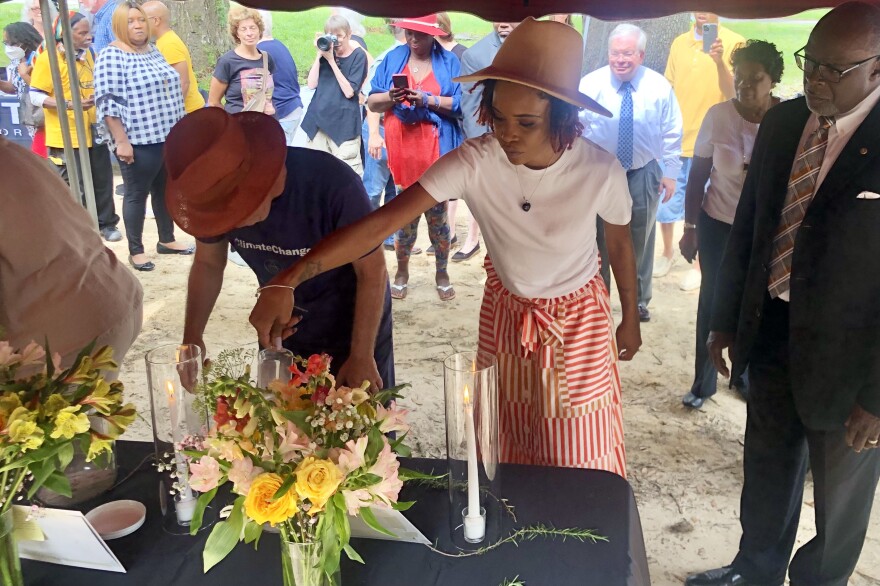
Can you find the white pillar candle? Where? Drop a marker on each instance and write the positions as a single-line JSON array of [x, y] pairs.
[[474, 524]]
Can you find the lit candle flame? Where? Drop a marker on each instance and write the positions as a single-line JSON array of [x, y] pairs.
[[169, 388], [467, 395]]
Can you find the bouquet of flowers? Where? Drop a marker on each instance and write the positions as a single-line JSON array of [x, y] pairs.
[[45, 410], [301, 456]]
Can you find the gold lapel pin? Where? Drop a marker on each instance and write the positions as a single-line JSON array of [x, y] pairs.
[[863, 151]]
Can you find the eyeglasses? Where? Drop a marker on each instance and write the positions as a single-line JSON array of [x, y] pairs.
[[624, 54], [826, 72]]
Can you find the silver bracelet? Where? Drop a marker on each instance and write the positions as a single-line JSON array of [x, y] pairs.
[[260, 289]]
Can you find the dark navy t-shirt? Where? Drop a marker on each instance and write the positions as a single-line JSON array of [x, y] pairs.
[[321, 194]]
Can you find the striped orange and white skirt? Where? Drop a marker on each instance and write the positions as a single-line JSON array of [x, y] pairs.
[[558, 377]]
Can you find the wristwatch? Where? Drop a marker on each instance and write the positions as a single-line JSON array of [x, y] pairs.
[[689, 226]]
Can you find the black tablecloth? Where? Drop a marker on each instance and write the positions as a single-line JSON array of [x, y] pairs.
[[559, 497]]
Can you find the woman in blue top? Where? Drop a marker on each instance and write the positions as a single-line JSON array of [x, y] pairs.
[[424, 126]]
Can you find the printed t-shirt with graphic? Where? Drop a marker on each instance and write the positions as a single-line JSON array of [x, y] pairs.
[[321, 194], [41, 80], [550, 250], [231, 69], [694, 77], [174, 50]]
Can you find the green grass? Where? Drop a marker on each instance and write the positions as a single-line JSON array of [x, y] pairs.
[[8, 13]]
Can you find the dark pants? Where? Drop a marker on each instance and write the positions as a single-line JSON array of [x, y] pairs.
[[778, 450], [146, 175], [644, 188], [383, 355], [712, 237], [102, 180]]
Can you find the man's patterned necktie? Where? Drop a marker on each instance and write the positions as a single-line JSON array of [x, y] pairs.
[[625, 128], [801, 188]]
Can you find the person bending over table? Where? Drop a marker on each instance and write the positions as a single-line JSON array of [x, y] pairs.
[[232, 180], [536, 188]]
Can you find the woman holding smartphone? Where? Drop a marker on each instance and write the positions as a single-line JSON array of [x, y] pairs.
[[414, 83], [537, 188]]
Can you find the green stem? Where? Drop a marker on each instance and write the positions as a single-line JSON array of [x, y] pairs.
[[15, 488]]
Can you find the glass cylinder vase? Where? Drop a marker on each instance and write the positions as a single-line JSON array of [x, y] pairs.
[[173, 373], [10, 566], [470, 382], [301, 565], [273, 366]]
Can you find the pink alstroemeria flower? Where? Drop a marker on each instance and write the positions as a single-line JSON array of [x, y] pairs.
[[205, 474]]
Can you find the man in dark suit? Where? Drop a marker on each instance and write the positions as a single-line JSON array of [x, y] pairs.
[[798, 301]]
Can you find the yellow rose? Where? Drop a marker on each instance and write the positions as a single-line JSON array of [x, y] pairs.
[[27, 434], [260, 507], [317, 480], [69, 423]]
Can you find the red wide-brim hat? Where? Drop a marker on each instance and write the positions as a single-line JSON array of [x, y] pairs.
[[422, 24], [221, 168]]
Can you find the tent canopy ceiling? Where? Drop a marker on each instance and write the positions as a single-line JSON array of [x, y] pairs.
[[514, 10]]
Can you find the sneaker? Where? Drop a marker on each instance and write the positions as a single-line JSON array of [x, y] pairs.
[[111, 234], [644, 314], [691, 280], [662, 266]]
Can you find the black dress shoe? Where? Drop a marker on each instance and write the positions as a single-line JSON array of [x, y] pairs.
[[144, 266], [644, 314], [725, 576], [462, 256], [693, 401], [162, 249]]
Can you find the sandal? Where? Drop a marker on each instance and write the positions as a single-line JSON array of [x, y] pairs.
[[441, 289], [398, 291]]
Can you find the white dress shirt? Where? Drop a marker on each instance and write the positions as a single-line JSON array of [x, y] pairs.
[[657, 121], [845, 125]]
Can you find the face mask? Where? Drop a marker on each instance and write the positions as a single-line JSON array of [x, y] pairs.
[[14, 53]]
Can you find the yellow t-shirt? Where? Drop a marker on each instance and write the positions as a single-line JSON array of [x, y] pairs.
[[41, 79], [172, 48], [694, 77]]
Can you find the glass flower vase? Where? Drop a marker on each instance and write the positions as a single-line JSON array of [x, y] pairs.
[[301, 565], [10, 566]]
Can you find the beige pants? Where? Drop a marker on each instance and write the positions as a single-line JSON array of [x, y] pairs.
[[348, 152]]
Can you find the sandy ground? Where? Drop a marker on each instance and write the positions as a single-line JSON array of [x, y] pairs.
[[685, 466]]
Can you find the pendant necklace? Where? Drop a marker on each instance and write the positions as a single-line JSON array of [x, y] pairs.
[[526, 203]]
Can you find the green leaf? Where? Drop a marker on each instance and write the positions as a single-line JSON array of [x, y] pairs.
[[65, 455], [57, 482], [352, 554], [299, 419], [224, 536], [375, 443], [408, 474], [40, 454], [370, 519], [199, 513], [403, 506], [384, 396], [363, 481], [252, 533], [43, 470], [285, 486]]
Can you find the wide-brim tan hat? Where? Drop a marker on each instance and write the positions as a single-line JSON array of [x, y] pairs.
[[221, 168], [545, 55]]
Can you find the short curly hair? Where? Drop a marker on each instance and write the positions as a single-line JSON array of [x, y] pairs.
[[764, 54], [565, 126], [239, 14]]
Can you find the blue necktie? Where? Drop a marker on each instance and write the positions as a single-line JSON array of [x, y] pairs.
[[625, 129]]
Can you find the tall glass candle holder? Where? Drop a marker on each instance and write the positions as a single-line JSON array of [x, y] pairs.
[[173, 371], [471, 388]]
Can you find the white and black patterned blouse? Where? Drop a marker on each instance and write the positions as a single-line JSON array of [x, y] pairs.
[[140, 89]]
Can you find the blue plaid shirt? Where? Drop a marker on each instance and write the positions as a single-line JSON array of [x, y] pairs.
[[102, 27], [140, 89]]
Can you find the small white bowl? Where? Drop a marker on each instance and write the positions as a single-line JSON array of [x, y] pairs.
[[117, 518]]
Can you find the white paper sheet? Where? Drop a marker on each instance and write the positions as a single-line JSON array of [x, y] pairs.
[[393, 521], [70, 541]]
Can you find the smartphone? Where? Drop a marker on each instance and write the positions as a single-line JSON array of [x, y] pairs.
[[400, 81], [710, 34]]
